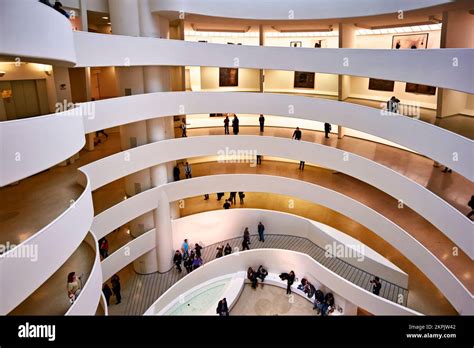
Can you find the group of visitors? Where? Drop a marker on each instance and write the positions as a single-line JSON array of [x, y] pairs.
[[323, 304], [188, 171], [223, 251], [235, 125], [115, 282], [254, 276], [393, 104], [57, 6], [261, 236], [103, 248], [232, 199], [191, 259]]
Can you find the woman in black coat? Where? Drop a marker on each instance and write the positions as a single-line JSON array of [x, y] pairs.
[[222, 308], [235, 125]]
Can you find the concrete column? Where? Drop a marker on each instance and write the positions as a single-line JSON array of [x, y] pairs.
[[158, 79], [124, 17], [83, 9], [456, 32], [347, 39], [261, 42], [164, 240]]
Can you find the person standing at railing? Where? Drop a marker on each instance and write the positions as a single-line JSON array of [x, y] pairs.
[[116, 288], [297, 134], [107, 293], [261, 120], [46, 2], [235, 125], [188, 170], [261, 231], [59, 7], [246, 241], [184, 133], [227, 249], [176, 173], [327, 129], [376, 285], [177, 259], [226, 125]]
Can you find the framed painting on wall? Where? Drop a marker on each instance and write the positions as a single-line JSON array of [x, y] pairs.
[[381, 85], [410, 41], [303, 79], [420, 89], [228, 77]]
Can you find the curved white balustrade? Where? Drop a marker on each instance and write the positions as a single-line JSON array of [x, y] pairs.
[[453, 66], [91, 293], [206, 228], [434, 269], [29, 146], [128, 253], [291, 10], [42, 35], [281, 261], [411, 133], [21, 275], [449, 220], [53, 138]]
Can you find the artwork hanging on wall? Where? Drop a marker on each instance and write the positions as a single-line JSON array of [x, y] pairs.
[[410, 41], [303, 79], [381, 85], [296, 44], [228, 77], [420, 89]]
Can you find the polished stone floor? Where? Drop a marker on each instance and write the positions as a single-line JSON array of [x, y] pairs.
[[270, 300]]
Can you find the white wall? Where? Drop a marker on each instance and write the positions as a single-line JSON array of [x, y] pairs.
[[396, 128], [405, 65], [440, 213], [281, 261], [28, 146], [296, 9], [207, 228]]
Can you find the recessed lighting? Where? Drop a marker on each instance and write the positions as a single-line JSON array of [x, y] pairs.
[[105, 17], [109, 23]]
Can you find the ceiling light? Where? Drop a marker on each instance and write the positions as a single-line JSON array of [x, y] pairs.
[[105, 17]]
